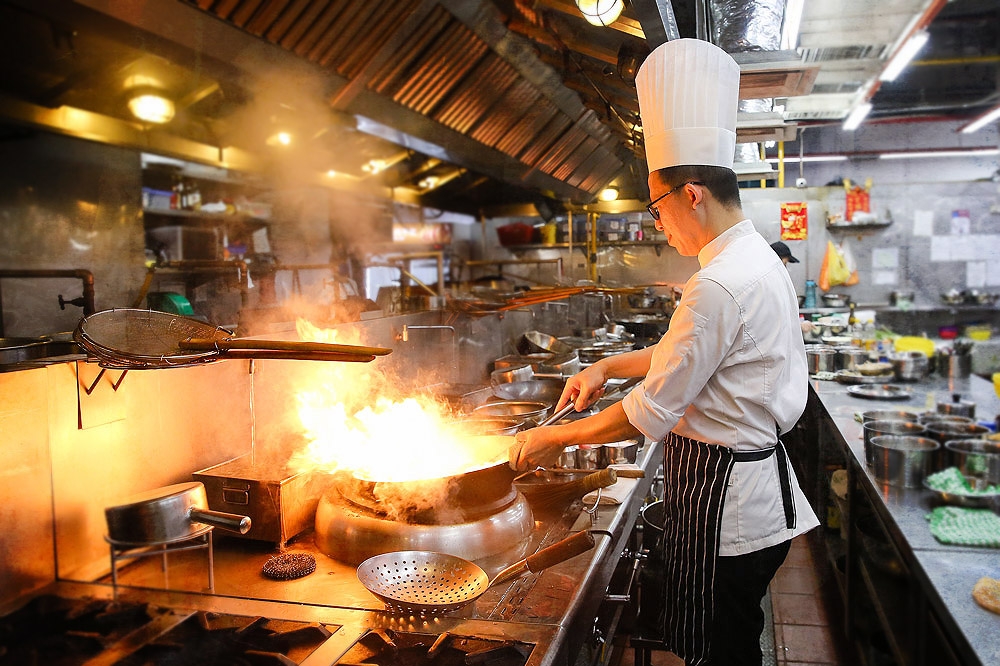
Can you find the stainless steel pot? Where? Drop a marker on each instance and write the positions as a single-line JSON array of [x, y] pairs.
[[874, 429], [821, 359], [944, 431], [618, 453], [849, 358], [168, 514], [957, 407], [977, 459], [902, 461], [889, 415], [911, 366]]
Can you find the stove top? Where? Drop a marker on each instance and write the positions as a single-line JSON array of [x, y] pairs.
[[60, 631]]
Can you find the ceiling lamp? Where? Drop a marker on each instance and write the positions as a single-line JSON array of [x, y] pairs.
[[982, 120], [280, 138], [609, 193], [600, 12], [902, 57], [857, 116], [151, 106]]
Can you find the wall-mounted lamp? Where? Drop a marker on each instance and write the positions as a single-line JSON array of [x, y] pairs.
[[151, 106], [609, 193], [600, 12]]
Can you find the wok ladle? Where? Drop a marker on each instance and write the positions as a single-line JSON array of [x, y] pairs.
[[426, 583]]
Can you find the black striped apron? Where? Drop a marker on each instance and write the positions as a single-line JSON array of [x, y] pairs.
[[696, 475]]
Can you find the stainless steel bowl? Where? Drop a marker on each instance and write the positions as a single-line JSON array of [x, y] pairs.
[[835, 300], [525, 411]]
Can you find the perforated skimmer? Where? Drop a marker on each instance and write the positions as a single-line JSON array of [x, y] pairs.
[[426, 583]]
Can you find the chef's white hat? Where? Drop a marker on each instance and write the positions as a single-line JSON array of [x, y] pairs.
[[688, 94]]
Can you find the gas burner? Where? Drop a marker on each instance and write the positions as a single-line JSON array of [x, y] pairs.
[[62, 632], [214, 638], [386, 647]]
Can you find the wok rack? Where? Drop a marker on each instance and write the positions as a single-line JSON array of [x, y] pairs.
[[199, 540]]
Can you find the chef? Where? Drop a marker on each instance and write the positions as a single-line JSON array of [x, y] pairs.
[[723, 382]]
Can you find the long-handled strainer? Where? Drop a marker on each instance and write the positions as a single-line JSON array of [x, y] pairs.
[[128, 338], [426, 583]]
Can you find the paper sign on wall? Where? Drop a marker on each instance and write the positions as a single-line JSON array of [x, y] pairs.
[[794, 221], [960, 222]]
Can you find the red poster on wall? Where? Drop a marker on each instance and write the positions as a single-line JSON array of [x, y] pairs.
[[794, 221]]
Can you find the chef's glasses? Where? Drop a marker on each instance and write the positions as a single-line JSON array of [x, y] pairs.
[[654, 211]]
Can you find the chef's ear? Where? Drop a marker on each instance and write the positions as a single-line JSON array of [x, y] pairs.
[[695, 193]]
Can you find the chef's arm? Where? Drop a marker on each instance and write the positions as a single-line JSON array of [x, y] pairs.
[[627, 365], [542, 446], [586, 387]]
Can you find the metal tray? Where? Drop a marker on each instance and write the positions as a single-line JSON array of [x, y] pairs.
[[848, 377], [991, 501], [880, 392]]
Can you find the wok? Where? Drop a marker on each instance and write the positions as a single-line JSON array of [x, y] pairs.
[[532, 390], [429, 583], [534, 341], [168, 514]]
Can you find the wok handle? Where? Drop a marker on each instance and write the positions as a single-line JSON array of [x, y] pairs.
[[207, 344], [606, 477], [560, 551], [226, 521]]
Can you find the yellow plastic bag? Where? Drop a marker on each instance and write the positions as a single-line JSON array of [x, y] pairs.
[[838, 272], [834, 270]]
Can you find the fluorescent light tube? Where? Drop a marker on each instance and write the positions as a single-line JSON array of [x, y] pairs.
[[902, 57], [982, 120], [940, 153], [857, 116], [811, 158]]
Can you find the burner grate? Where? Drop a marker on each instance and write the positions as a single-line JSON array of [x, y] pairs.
[[214, 638], [57, 631], [385, 647]]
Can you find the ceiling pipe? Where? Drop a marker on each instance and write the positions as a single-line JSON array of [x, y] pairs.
[[738, 26]]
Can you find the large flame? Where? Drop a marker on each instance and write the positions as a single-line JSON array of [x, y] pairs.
[[357, 422]]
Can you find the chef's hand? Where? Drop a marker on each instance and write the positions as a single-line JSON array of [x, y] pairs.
[[537, 447], [584, 388]]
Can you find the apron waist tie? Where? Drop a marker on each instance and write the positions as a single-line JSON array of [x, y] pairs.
[[783, 478]]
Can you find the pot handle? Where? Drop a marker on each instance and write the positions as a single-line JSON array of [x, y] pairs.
[[226, 521]]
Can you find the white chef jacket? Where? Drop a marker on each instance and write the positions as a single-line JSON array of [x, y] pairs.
[[731, 370]]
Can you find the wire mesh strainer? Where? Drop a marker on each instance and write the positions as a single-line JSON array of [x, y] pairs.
[[427, 583], [128, 338]]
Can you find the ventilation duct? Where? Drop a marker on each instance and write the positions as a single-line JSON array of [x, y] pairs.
[[738, 26]]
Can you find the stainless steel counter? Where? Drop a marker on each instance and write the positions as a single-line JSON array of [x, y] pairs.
[[944, 573]]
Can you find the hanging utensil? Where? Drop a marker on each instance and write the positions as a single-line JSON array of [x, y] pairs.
[[427, 583], [127, 338]]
